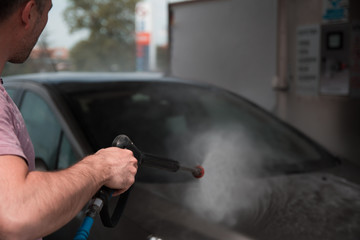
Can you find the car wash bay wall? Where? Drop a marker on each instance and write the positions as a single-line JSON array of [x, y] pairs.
[[318, 71], [251, 47], [212, 41]]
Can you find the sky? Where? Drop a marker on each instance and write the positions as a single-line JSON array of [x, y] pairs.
[[58, 35]]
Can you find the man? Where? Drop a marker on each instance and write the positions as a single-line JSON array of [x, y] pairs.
[[34, 204]]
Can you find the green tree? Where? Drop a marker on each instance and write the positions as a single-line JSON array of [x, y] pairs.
[[110, 45]]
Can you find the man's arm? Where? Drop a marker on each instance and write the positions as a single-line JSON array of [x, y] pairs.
[[35, 204]]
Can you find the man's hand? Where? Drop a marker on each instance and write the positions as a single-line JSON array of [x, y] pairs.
[[120, 167]]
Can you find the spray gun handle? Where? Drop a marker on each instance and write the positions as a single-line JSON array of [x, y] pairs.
[[124, 142]]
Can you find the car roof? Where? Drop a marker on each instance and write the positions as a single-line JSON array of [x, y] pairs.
[[91, 77]]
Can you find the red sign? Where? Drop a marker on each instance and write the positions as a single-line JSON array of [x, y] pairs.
[[143, 38]]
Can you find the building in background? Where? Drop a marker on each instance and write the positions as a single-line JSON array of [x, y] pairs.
[[151, 27], [57, 58]]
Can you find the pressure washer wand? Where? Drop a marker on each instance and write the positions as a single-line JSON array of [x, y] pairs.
[[170, 165]]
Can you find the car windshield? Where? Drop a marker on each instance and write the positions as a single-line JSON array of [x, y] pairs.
[[191, 124]]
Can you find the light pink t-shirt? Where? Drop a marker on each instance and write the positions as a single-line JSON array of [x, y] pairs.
[[14, 137]]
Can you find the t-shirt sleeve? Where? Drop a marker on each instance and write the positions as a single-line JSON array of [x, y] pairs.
[[9, 141]]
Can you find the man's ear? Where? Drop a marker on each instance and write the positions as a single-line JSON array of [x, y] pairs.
[[28, 14]]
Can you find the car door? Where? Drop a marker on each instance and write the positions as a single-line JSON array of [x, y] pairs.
[[52, 147]]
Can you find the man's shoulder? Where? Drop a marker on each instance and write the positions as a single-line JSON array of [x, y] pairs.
[[8, 107]]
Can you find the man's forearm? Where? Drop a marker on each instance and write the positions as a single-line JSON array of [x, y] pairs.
[[65, 193], [34, 204], [45, 201]]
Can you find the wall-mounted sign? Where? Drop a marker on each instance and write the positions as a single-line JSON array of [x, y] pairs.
[[335, 10], [307, 59]]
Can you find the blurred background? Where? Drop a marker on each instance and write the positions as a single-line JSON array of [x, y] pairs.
[[298, 59], [101, 36]]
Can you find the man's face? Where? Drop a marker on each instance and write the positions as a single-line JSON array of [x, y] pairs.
[[30, 39]]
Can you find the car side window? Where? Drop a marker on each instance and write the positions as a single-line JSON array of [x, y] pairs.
[[11, 92], [45, 131], [67, 156]]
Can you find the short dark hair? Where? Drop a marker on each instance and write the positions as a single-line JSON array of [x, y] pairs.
[[7, 7]]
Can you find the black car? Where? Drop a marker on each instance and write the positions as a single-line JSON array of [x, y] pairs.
[[263, 178]]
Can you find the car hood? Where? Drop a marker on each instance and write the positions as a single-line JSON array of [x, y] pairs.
[[302, 206]]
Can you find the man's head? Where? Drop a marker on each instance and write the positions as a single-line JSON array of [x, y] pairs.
[[7, 7], [22, 22]]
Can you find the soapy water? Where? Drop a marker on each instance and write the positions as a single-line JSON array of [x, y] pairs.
[[314, 206]]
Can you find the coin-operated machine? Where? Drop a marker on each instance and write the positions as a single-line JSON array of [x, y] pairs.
[[340, 48], [335, 66], [328, 54]]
